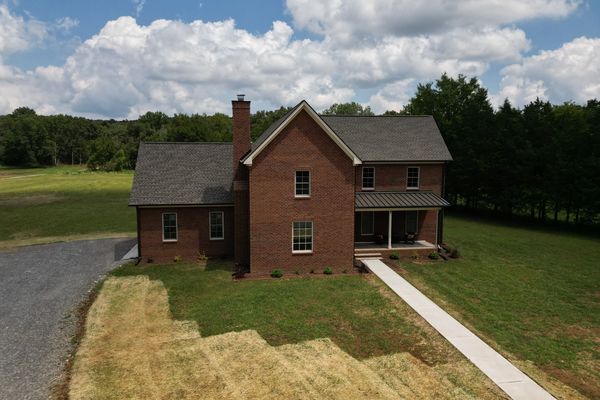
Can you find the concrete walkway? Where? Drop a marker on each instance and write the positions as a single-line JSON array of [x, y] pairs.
[[508, 377]]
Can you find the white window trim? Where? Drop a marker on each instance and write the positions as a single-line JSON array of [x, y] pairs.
[[406, 222], [162, 219], [312, 235], [303, 196], [418, 179], [222, 225], [362, 183], [372, 223]]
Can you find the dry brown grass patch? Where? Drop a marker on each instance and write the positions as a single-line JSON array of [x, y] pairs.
[[134, 349]]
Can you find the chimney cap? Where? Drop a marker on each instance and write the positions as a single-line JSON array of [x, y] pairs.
[[240, 97]]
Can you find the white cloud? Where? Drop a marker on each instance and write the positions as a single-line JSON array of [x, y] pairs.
[[359, 19], [66, 24], [17, 33], [392, 96], [139, 6], [127, 69], [571, 72]]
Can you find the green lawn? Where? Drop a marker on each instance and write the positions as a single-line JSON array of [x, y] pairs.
[[46, 204], [535, 293], [348, 309]]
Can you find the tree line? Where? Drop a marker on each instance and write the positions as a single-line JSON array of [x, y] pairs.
[[542, 160], [31, 140]]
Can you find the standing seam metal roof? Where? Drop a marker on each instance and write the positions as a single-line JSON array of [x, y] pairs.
[[398, 200]]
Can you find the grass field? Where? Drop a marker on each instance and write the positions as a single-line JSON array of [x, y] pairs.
[[535, 293], [42, 205]]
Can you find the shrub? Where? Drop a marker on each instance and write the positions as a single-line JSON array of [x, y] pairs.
[[344, 271], [202, 256], [395, 256], [415, 255], [297, 271], [455, 253], [312, 270], [177, 259], [276, 273], [433, 255], [328, 271]]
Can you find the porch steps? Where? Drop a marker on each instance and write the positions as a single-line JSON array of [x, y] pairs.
[[367, 255]]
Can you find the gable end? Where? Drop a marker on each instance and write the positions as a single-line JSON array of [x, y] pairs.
[[310, 111]]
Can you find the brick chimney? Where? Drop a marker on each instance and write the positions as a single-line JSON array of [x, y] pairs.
[[241, 132], [241, 145]]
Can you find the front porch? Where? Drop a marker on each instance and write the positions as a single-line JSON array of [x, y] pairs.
[[396, 222], [396, 230]]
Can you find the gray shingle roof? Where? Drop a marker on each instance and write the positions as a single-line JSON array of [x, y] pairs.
[[391, 138], [183, 173], [398, 200], [381, 138]]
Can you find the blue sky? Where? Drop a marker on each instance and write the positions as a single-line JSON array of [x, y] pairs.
[[374, 55]]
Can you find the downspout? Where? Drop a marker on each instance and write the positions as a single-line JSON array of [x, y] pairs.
[[139, 243]]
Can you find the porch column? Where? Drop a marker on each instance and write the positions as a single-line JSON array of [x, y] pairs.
[[389, 229]]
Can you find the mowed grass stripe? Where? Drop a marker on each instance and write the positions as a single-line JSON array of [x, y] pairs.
[[63, 202]]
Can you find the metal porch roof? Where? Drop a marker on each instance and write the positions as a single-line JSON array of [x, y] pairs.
[[386, 200]]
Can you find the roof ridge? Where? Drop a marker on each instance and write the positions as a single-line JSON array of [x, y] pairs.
[[395, 191], [374, 116], [156, 142]]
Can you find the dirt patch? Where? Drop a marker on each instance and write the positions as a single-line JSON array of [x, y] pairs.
[[32, 200], [60, 389]]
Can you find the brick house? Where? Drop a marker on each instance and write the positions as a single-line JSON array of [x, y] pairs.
[[312, 191]]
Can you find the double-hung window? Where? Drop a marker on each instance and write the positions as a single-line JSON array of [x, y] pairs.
[[412, 178], [302, 237], [216, 225], [368, 178], [302, 184], [169, 224]]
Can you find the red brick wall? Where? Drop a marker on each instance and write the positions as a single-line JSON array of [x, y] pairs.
[[192, 234], [392, 177], [427, 226], [273, 208]]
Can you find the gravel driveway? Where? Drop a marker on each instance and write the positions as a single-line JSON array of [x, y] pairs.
[[40, 288]]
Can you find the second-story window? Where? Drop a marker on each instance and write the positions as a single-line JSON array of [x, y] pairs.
[[412, 178], [302, 184], [368, 178]]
